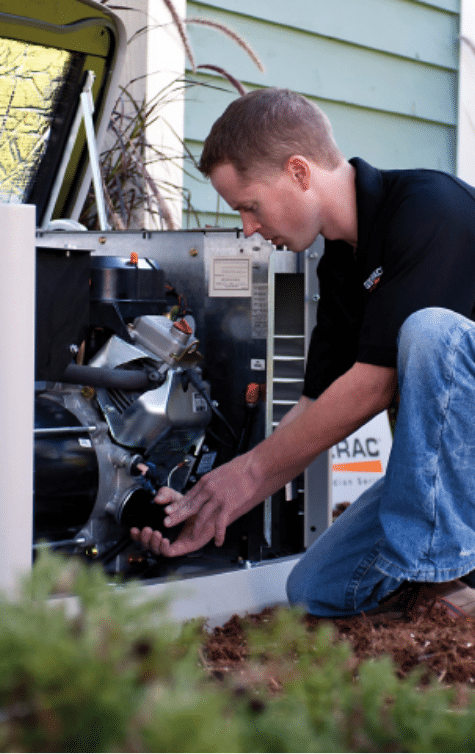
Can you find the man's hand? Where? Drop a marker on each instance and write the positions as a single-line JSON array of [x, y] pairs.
[[218, 499], [187, 541]]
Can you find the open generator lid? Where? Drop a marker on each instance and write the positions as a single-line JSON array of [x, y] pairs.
[[52, 51]]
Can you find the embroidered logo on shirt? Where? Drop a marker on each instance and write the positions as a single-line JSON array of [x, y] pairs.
[[374, 279]]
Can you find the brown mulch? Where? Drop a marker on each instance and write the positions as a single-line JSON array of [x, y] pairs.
[[431, 638]]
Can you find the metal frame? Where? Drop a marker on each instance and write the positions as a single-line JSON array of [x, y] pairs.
[[218, 595]]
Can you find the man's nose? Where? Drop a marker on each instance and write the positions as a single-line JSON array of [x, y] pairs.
[[249, 226]]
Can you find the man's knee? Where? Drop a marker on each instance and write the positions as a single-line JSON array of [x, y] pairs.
[[428, 325], [427, 334], [295, 588]]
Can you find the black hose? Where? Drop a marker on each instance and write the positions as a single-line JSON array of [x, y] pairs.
[[115, 550], [124, 379]]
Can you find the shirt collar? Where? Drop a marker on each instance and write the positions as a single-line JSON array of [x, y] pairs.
[[369, 190]]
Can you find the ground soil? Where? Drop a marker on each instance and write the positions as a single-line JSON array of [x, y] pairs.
[[430, 637]]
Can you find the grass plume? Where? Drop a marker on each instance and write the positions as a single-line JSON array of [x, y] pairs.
[[225, 74], [227, 31]]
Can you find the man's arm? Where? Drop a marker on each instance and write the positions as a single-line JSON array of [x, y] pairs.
[[295, 411], [234, 488]]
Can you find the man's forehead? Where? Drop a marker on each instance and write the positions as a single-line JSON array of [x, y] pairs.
[[229, 183], [226, 175]]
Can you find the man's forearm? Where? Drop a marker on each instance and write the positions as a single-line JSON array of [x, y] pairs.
[[348, 403], [232, 489], [295, 411]]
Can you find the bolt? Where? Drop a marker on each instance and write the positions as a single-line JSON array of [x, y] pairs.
[[102, 239], [316, 297], [73, 349], [193, 252]]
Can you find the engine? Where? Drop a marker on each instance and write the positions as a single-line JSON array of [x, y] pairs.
[[114, 429], [128, 400]]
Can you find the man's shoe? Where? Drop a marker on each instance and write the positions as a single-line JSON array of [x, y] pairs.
[[457, 597]]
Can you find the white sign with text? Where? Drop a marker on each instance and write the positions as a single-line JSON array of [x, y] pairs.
[[361, 459]]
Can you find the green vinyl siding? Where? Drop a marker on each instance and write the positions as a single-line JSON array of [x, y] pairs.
[[385, 72]]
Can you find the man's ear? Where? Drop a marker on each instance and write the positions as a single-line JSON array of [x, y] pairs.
[[299, 170]]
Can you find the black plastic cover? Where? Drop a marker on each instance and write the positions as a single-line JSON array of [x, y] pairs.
[[62, 308]]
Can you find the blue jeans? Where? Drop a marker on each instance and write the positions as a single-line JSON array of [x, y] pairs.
[[418, 523]]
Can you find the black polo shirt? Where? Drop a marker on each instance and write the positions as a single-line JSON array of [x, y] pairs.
[[416, 248]]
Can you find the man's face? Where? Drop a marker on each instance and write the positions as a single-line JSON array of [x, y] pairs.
[[274, 204]]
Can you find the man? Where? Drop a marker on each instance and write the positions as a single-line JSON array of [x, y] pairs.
[[397, 284]]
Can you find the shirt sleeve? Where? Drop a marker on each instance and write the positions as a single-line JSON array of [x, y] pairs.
[[424, 240], [428, 261], [332, 349]]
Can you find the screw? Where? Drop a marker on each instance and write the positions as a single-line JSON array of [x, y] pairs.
[[102, 239], [316, 297], [193, 252]]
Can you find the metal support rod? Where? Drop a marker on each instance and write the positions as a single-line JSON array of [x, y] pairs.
[[85, 112], [66, 157], [88, 110], [48, 431]]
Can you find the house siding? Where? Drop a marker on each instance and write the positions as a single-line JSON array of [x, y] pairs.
[[384, 71]]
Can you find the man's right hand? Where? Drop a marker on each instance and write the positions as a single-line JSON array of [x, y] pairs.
[[186, 542]]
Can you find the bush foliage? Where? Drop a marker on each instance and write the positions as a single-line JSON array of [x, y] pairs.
[[104, 671]]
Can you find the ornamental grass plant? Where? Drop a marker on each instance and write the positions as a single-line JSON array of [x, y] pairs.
[[130, 190]]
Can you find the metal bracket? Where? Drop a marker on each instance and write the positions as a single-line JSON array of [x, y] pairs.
[[84, 113]]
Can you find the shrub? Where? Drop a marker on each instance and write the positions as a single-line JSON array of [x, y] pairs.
[[104, 671]]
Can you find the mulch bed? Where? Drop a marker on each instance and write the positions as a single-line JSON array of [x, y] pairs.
[[431, 638]]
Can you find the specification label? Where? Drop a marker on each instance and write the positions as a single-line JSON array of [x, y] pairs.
[[230, 276]]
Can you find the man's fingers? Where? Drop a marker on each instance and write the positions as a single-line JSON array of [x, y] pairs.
[[156, 541], [220, 534], [183, 509], [145, 536], [207, 512], [212, 513], [175, 549], [167, 495], [148, 538]]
